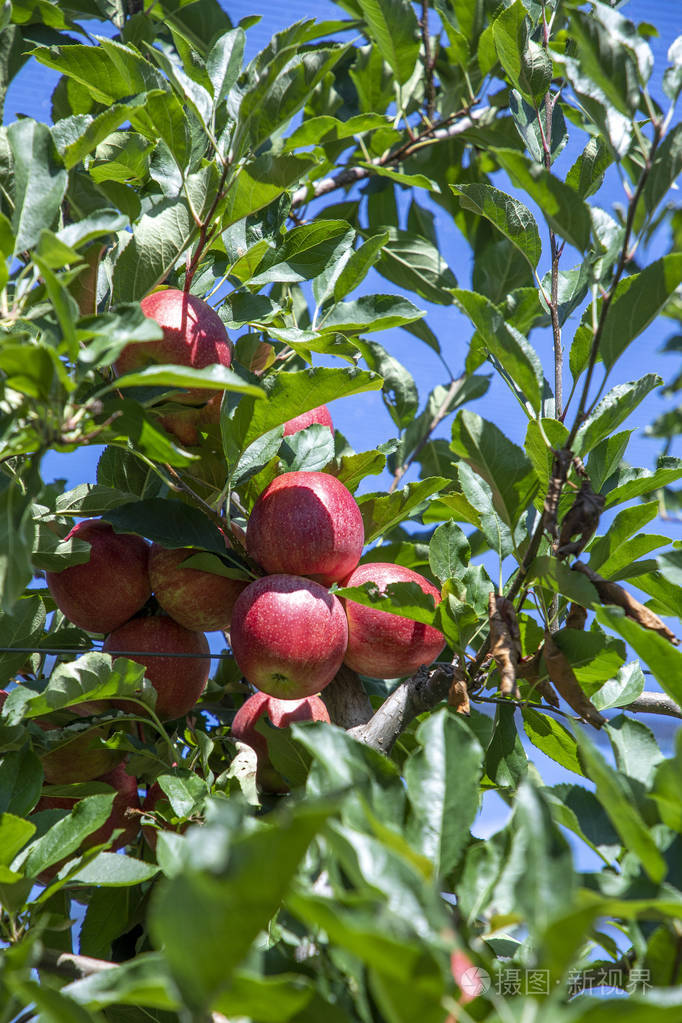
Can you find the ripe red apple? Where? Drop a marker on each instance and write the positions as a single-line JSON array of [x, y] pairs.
[[306, 523], [201, 601], [281, 714], [193, 335], [78, 759], [315, 415], [384, 645], [288, 635], [179, 681], [111, 587]]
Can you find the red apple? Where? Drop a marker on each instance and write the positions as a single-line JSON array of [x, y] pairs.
[[78, 759], [201, 601], [126, 798], [179, 681], [315, 415], [111, 587], [306, 523], [281, 714], [193, 335], [384, 645], [288, 635]]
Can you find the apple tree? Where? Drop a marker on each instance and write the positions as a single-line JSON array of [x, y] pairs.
[[157, 863]]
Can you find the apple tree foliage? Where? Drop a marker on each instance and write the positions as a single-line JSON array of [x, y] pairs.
[[297, 190]]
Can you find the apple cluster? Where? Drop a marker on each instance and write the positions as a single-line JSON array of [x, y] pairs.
[[288, 633]]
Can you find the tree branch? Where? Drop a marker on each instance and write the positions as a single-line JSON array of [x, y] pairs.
[[429, 62], [423, 691], [346, 700], [351, 175], [655, 703]]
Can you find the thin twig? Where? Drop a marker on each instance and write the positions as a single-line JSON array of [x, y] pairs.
[[440, 414], [350, 175], [429, 62]]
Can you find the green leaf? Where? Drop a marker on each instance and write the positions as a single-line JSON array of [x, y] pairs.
[[538, 878], [224, 63], [23, 626], [664, 660], [194, 912], [110, 870], [399, 390], [529, 66], [358, 266], [637, 302], [406, 599], [305, 253], [508, 346], [557, 576], [169, 523], [66, 836], [508, 215], [92, 676], [291, 394], [159, 238], [14, 834], [528, 127], [21, 779], [564, 211], [615, 798], [552, 738], [449, 551], [665, 169], [259, 182], [413, 262], [626, 523], [308, 450], [442, 787], [392, 25], [211, 378], [142, 981], [627, 482], [612, 410], [506, 763], [502, 464], [109, 71], [16, 542], [39, 181], [381, 512], [606, 61], [634, 748], [369, 313], [587, 173]]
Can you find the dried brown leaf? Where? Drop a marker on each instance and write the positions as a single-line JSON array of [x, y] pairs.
[[562, 675], [581, 520], [458, 697], [612, 593], [528, 668], [505, 642], [576, 617]]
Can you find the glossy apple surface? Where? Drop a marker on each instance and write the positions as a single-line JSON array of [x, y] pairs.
[[315, 415], [288, 635], [384, 645], [193, 335], [281, 714], [179, 681], [111, 587], [201, 601], [306, 523]]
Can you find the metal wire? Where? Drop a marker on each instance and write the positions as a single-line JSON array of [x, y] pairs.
[[56, 651]]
